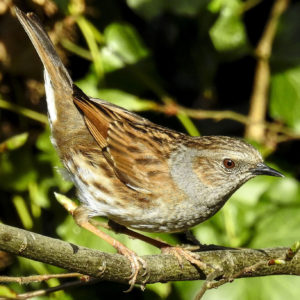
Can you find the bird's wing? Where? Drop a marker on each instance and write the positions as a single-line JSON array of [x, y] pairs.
[[135, 148]]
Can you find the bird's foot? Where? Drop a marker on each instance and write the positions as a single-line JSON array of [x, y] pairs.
[[136, 262], [181, 253]]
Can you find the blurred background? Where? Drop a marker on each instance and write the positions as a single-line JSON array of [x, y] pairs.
[[219, 67]]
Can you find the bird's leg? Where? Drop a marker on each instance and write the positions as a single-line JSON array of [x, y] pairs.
[[191, 238], [165, 248], [124, 230], [81, 218]]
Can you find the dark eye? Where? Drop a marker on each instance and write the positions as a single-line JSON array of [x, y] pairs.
[[228, 163]]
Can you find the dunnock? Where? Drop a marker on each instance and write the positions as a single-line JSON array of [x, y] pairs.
[[136, 173]]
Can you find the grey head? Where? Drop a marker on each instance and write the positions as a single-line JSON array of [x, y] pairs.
[[221, 159], [210, 169]]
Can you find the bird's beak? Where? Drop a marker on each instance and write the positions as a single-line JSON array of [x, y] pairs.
[[262, 169]]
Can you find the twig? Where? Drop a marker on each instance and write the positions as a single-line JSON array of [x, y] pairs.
[[173, 109], [24, 111], [249, 4], [219, 115], [259, 98], [207, 284], [63, 286], [36, 278], [210, 284]]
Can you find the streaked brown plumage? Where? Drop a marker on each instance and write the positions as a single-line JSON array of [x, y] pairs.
[[137, 173]]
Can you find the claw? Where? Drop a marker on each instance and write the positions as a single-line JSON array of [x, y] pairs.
[[136, 262], [192, 257]]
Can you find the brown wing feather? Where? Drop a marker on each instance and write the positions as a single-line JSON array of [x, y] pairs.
[[135, 148], [91, 116]]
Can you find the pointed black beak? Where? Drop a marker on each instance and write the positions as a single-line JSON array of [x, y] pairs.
[[262, 169]]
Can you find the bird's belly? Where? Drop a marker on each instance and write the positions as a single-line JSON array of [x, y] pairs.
[[163, 216], [173, 218], [168, 212]]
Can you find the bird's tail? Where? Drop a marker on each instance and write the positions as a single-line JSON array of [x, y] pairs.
[[45, 49], [58, 83]]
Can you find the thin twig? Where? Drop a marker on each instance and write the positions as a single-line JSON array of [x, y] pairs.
[[63, 286], [210, 283], [24, 111], [217, 115], [206, 284], [37, 278]]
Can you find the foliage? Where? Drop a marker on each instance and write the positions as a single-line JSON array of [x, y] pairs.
[[141, 54]]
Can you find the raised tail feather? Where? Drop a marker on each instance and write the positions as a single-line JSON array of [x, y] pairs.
[[63, 114], [45, 49]]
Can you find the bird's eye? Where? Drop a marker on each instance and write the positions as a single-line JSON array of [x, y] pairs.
[[228, 163]]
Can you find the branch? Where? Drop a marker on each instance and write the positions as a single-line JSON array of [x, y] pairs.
[[161, 268], [283, 133], [259, 97]]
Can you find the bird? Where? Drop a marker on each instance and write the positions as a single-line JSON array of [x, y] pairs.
[[138, 174]]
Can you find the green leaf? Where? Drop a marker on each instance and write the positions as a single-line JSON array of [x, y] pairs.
[[49, 155], [250, 193], [280, 227], [187, 290], [90, 35], [154, 8], [14, 142], [271, 287], [285, 97], [71, 232], [123, 46], [283, 191], [161, 289], [126, 100], [286, 47], [228, 33], [115, 96], [147, 9], [21, 207], [7, 293], [186, 7], [17, 170]]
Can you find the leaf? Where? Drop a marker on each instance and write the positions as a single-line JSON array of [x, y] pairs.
[[281, 227], [71, 232], [126, 100], [251, 192], [14, 142], [271, 287], [7, 293], [123, 46], [186, 7], [154, 8], [285, 97], [228, 33], [186, 290], [49, 155], [90, 35], [115, 96], [147, 9], [17, 170], [284, 191], [23, 212], [286, 47], [161, 289]]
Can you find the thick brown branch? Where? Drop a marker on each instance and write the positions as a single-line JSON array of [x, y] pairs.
[[161, 268]]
